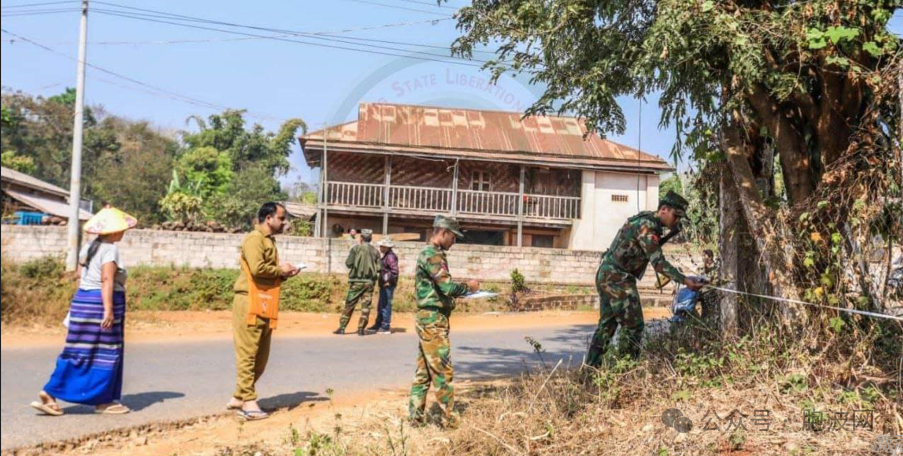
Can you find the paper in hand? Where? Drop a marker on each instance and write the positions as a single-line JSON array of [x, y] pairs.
[[480, 294], [300, 266]]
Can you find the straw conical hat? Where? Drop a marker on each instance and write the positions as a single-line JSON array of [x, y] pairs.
[[110, 220]]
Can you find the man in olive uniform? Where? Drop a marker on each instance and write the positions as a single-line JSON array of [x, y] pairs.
[[637, 244], [252, 340], [436, 293], [363, 270]]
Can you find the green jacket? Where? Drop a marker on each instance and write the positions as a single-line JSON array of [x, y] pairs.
[[363, 264], [259, 251], [638, 244], [433, 283]]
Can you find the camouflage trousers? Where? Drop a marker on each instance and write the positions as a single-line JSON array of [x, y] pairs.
[[357, 292], [619, 305], [433, 366]]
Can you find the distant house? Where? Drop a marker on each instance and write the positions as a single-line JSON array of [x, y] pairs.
[[532, 182], [38, 199]]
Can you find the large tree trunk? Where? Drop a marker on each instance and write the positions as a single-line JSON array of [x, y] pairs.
[[766, 239], [795, 164]]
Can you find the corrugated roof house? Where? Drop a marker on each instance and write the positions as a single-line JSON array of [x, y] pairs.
[[540, 181]]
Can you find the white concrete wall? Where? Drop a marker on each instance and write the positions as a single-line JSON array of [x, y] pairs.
[[652, 193], [602, 215], [583, 230], [214, 250]]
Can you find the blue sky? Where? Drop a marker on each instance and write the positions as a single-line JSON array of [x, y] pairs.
[[273, 80]]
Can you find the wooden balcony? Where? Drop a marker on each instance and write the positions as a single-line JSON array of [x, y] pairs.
[[430, 201]]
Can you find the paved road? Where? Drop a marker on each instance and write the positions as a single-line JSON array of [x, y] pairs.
[[173, 381]]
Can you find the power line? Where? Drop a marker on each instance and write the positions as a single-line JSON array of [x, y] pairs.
[[217, 40], [435, 4], [186, 18], [393, 53], [29, 5], [437, 59], [18, 13], [155, 90], [353, 41], [404, 8], [313, 35]]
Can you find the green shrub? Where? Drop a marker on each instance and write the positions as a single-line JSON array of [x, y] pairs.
[[309, 293], [211, 289], [46, 267], [35, 291], [518, 282]]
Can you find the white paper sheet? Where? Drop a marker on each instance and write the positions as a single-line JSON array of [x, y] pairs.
[[480, 294]]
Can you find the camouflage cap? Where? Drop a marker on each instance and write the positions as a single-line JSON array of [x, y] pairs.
[[675, 201], [366, 233], [449, 223]]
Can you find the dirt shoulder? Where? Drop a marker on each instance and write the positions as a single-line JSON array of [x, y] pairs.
[[210, 435], [181, 326], [361, 419]]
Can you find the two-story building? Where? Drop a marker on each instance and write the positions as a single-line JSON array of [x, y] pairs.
[[537, 181]]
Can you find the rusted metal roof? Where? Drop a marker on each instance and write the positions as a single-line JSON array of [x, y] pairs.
[[57, 207], [476, 134], [15, 177], [300, 210]]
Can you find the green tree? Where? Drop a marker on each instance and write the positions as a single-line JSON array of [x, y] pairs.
[[226, 133], [814, 81], [209, 168], [303, 192], [236, 167], [18, 162], [125, 163], [66, 98], [238, 205], [672, 183], [136, 177], [183, 201]]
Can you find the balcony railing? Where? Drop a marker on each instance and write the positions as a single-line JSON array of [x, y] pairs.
[[419, 198], [489, 203], [358, 195], [440, 200]]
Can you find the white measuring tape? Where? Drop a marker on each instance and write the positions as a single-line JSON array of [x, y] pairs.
[[795, 301]]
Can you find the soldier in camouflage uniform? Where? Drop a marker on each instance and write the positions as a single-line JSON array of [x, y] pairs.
[[363, 270], [436, 293], [636, 245]]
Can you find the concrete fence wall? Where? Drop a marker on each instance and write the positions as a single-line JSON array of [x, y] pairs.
[[216, 250]]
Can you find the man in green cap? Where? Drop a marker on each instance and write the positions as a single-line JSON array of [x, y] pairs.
[[637, 244], [363, 270], [436, 293]]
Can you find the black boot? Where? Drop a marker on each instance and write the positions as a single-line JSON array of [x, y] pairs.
[[361, 331], [340, 331]]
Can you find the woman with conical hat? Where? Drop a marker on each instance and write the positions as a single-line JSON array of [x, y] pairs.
[[89, 370]]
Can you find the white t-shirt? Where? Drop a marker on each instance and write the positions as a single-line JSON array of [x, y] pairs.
[[92, 273]]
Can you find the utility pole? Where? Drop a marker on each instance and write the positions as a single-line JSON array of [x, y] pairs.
[[74, 224]]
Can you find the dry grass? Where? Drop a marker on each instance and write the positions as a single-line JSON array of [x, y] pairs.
[[566, 410]]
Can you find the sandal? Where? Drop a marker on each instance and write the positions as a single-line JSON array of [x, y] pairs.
[[234, 406], [252, 415], [114, 409], [47, 405], [49, 408]]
